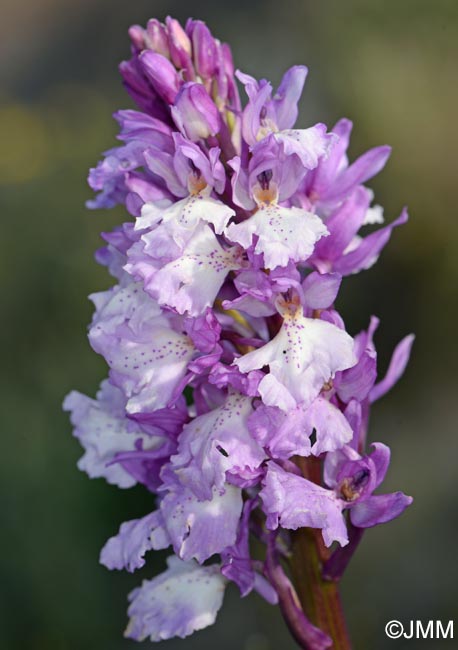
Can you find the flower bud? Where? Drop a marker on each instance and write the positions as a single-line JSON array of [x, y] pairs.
[[137, 36], [205, 50], [195, 113], [161, 73], [156, 38], [179, 44]]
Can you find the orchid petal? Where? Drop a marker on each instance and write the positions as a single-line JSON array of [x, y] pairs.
[[183, 599], [379, 509]]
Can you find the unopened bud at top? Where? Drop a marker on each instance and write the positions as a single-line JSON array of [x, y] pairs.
[[195, 113], [161, 73], [136, 35], [204, 50], [179, 44], [156, 38]]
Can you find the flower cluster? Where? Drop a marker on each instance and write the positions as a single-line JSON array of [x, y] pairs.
[[229, 367]]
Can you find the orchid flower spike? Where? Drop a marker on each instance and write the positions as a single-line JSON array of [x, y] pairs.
[[235, 394]]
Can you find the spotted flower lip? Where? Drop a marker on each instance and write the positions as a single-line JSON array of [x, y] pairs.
[[146, 355], [216, 446], [281, 233], [302, 357], [190, 283], [235, 394]]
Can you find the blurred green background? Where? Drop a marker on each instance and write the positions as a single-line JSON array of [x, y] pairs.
[[388, 65]]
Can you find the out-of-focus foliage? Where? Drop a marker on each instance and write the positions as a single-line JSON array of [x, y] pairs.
[[391, 67]]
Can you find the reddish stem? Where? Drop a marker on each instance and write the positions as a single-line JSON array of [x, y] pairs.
[[320, 598]]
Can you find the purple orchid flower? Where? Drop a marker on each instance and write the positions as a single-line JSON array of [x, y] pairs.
[[281, 234], [264, 115], [302, 357], [294, 502]]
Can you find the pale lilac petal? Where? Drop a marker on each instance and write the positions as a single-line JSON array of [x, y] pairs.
[[357, 382], [292, 502], [275, 393], [181, 220], [283, 234], [366, 252], [287, 96], [303, 356], [320, 291], [215, 444], [380, 456], [251, 121], [104, 431], [191, 283], [328, 168], [147, 357], [120, 305], [308, 144], [199, 529], [285, 434], [161, 164], [398, 363], [343, 224], [151, 214], [127, 549], [353, 413], [241, 194], [149, 371], [379, 509], [332, 428], [282, 434], [180, 601], [366, 166]]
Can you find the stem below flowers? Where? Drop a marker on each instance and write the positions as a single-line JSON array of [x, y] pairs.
[[320, 598]]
